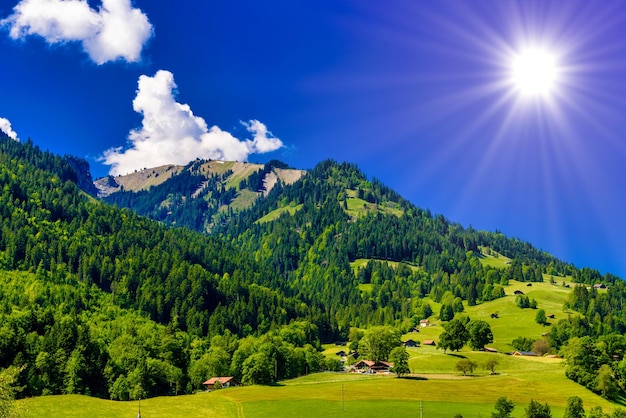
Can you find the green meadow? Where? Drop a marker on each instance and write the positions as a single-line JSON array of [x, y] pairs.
[[354, 395], [435, 389]]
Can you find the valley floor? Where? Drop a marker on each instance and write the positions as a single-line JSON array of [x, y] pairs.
[[353, 395]]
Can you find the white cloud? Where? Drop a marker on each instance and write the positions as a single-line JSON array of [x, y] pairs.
[[172, 134], [5, 126], [114, 31]]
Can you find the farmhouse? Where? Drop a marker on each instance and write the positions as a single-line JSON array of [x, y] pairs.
[[424, 323], [410, 343], [225, 382], [490, 350], [599, 286], [368, 366], [428, 342]]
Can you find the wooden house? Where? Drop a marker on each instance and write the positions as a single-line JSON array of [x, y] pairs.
[[225, 382], [410, 343]]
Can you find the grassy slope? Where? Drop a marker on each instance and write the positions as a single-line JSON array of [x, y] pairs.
[[363, 396], [359, 207], [443, 393], [276, 213]]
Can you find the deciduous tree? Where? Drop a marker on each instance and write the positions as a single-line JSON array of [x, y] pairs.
[[479, 334], [454, 337], [491, 364], [465, 366], [400, 359]]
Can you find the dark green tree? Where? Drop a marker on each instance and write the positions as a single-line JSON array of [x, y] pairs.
[[503, 408], [479, 334], [574, 408], [454, 337], [596, 412], [541, 318], [257, 369], [536, 410], [400, 359], [446, 313], [378, 342], [522, 343]]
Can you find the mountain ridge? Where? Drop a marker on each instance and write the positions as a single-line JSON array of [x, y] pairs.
[[249, 291]]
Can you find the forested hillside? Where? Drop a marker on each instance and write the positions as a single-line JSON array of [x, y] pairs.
[[97, 299], [80, 278]]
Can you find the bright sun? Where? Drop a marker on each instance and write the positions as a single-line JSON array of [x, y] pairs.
[[534, 72]]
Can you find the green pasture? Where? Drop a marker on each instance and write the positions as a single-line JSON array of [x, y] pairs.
[[358, 207], [349, 395], [276, 213], [360, 263], [492, 258], [435, 389]]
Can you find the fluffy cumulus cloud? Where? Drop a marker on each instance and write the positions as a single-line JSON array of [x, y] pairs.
[[115, 31], [172, 134], [5, 126]]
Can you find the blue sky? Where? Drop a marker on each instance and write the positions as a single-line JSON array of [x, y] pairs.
[[418, 94]]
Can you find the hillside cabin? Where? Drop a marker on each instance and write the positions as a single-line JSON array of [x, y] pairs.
[[424, 323], [599, 286], [340, 343], [518, 292], [411, 343], [525, 353], [225, 382], [341, 353], [490, 350], [428, 342], [551, 316], [372, 367]]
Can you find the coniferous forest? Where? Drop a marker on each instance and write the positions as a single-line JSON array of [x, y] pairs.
[[97, 298]]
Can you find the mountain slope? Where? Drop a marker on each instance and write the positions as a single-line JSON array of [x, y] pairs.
[[198, 195], [74, 272], [264, 288]]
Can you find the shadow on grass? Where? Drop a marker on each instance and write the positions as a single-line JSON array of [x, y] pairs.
[[457, 355], [413, 377], [619, 399], [276, 384]]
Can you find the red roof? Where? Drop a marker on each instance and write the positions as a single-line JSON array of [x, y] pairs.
[[222, 380]]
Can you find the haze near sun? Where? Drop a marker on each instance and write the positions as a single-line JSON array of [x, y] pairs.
[[534, 72]]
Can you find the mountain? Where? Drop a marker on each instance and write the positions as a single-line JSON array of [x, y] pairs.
[[198, 195], [98, 299]]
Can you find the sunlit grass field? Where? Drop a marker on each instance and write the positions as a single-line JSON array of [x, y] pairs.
[[434, 390], [350, 395]]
